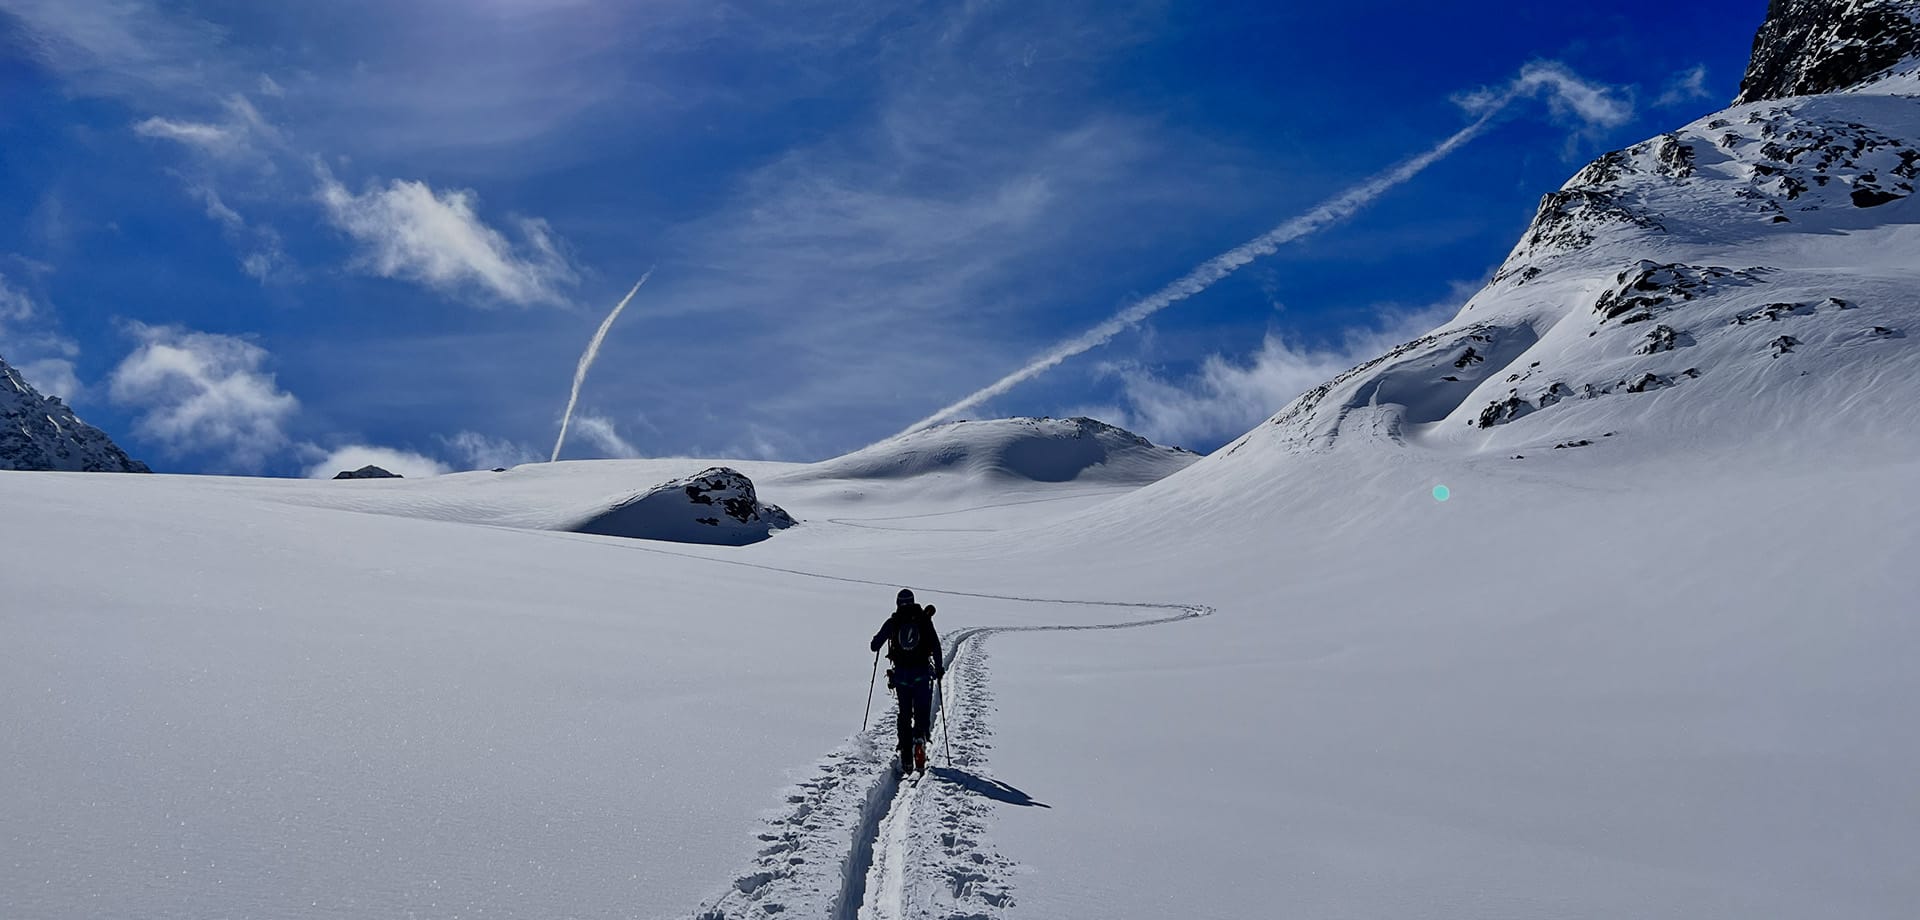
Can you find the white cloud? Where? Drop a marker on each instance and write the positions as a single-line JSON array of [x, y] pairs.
[[599, 431], [15, 305], [53, 377], [120, 47], [409, 231], [1569, 96], [28, 340], [202, 393], [354, 456], [270, 87], [480, 452], [217, 140], [1226, 397], [1689, 85]]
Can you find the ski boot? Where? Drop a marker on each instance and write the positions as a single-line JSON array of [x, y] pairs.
[[920, 756]]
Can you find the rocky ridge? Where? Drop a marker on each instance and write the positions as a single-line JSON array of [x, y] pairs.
[[40, 433], [1807, 47]]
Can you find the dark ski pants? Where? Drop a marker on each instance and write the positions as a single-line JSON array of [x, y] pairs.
[[916, 708]]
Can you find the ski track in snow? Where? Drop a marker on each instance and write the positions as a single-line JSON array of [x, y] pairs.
[[858, 841]]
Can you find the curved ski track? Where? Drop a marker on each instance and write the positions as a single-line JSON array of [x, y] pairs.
[[859, 842]]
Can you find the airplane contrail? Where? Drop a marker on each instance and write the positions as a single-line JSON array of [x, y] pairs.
[[1211, 271], [586, 361]]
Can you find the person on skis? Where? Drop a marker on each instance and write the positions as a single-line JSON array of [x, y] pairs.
[[914, 650]]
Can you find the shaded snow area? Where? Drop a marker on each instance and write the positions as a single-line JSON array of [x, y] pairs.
[[718, 506]]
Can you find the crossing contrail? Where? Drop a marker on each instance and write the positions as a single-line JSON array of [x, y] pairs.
[[1591, 103], [586, 361]]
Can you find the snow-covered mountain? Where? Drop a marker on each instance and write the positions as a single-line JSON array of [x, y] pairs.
[[1019, 449], [41, 433], [1745, 281]]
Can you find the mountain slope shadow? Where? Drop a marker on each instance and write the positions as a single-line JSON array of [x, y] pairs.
[[989, 788]]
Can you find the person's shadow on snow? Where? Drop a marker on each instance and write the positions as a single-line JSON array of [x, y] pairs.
[[991, 788]]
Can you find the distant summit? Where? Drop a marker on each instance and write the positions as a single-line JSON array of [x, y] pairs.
[[41, 433], [1808, 47], [1032, 449]]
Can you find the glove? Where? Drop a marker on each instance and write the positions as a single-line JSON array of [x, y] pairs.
[[877, 642]]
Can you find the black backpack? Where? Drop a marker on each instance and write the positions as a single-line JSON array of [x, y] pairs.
[[910, 635]]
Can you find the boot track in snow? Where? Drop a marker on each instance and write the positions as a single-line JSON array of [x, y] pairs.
[[861, 842]]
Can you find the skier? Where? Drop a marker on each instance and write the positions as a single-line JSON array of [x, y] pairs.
[[914, 650]]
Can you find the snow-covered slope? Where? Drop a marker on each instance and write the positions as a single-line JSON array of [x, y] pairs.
[[41, 433], [1043, 450], [1747, 279]]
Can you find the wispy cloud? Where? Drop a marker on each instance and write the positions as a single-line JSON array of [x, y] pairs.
[[599, 432], [121, 47], [31, 342], [408, 231], [201, 393], [1593, 104], [1584, 103], [216, 140], [1687, 86], [1226, 396], [354, 456], [477, 451]]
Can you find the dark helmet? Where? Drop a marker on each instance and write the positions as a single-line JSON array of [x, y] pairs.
[[904, 598]]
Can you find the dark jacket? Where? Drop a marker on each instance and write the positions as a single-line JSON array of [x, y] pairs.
[[925, 655]]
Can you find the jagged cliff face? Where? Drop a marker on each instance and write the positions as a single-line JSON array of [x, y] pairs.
[[1807, 47], [41, 433]]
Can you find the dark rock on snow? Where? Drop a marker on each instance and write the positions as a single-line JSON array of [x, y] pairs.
[[367, 472], [1820, 46]]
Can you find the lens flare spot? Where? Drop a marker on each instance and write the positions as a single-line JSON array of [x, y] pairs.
[[1442, 493]]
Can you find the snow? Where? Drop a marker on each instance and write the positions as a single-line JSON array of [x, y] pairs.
[[1651, 658]]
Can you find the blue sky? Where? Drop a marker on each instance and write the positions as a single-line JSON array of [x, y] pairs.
[[269, 238]]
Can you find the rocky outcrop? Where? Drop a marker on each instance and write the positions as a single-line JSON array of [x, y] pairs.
[[41, 433], [1821, 46], [716, 506], [367, 472]]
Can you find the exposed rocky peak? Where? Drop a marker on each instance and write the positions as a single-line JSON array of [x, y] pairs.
[[717, 506], [1807, 47], [40, 433]]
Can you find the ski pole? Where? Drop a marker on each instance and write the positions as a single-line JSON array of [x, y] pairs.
[[868, 712], [945, 734]]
